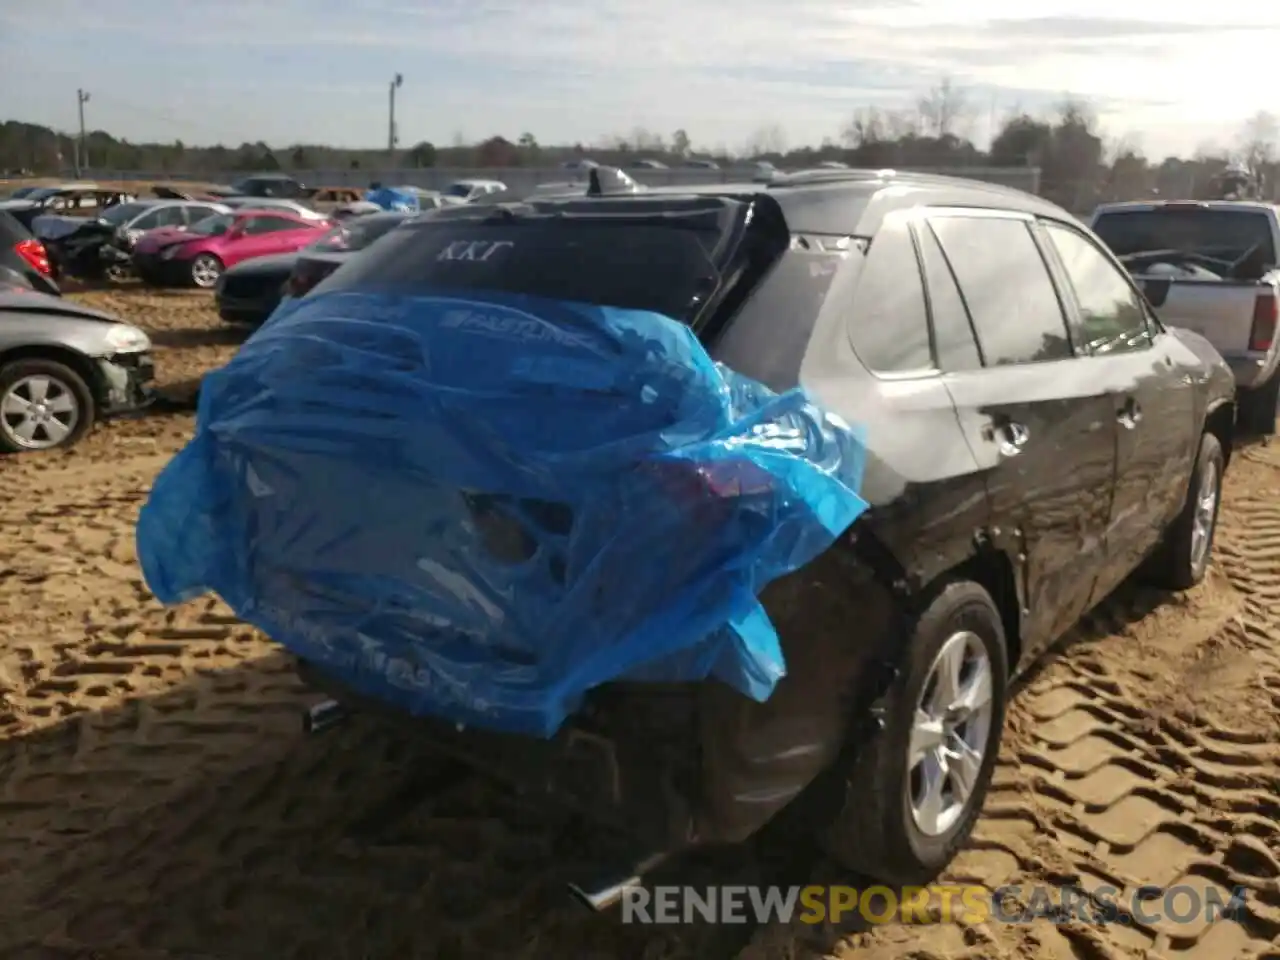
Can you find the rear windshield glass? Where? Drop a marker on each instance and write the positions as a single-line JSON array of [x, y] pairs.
[[1225, 234], [665, 269]]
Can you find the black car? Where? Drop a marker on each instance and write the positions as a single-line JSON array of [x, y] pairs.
[[1034, 435], [24, 260], [264, 185], [250, 291]]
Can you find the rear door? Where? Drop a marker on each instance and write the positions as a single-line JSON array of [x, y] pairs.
[[1032, 409], [1152, 399]]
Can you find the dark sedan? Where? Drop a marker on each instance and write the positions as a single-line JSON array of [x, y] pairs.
[[1033, 436], [250, 291]]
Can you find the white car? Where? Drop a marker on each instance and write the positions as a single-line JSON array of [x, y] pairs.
[[468, 190], [273, 203]]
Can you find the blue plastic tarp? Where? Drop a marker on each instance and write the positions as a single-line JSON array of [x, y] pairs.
[[389, 198], [479, 507]]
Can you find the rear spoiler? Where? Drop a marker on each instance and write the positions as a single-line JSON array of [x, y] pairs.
[[610, 181]]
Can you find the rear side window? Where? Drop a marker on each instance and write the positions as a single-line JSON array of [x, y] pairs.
[[258, 225], [889, 326], [637, 266], [1007, 288], [952, 330], [169, 217]]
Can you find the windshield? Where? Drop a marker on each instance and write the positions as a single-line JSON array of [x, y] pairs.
[[212, 226], [123, 212], [1224, 234], [665, 269], [460, 189]]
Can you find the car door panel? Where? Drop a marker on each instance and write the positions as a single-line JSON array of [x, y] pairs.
[[1146, 373], [1037, 420], [1043, 433]]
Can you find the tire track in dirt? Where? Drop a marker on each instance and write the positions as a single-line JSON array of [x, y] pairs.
[[158, 800], [1142, 754]]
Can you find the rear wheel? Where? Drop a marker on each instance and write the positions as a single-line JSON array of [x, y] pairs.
[[205, 271], [1257, 414], [916, 787], [43, 405]]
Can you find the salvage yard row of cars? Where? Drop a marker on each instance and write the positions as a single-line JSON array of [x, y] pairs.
[[1035, 432]]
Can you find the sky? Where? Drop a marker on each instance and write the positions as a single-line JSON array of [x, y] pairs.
[[1167, 77]]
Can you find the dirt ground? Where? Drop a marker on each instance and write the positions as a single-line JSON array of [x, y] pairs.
[[158, 799]]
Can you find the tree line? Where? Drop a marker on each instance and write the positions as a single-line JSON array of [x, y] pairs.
[[1078, 165]]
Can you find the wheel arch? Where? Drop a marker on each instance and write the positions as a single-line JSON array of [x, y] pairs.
[[1220, 420], [74, 360]]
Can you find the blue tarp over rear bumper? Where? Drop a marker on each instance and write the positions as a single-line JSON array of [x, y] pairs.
[[481, 508]]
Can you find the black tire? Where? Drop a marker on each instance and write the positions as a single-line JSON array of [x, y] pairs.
[[67, 380], [1257, 408], [875, 833], [1176, 564]]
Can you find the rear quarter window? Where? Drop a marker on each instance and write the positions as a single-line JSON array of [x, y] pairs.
[[889, 324]]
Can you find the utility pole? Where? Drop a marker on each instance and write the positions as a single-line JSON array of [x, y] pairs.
[[396, 83], [82, 146]]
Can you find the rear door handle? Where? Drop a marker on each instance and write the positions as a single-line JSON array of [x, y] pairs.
[[1130, 415]]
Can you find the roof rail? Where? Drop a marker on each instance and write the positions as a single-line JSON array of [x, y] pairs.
[[859, 175]]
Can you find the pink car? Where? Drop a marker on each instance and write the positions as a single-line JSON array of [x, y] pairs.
[[198, 255]]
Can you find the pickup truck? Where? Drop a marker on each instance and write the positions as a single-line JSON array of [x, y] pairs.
[[1211, 267]]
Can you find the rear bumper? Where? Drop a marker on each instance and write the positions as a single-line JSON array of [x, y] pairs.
[[162, 273], [126, 383], [246, 310], [1250, 369], [679, 765]]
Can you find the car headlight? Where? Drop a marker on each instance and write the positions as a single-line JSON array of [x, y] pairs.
[[122, 338]]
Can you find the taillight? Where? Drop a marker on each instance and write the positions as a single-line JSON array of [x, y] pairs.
[[34, 253], [1265, 313]]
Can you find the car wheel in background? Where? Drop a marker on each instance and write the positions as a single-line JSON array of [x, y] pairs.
[[914, 790], [205, 271], [1183, 556], [43, 405]]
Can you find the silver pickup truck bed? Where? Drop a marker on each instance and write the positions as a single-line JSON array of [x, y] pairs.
[[1181, 254]]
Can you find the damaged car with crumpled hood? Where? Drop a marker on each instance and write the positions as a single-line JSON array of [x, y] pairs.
[[687, 505]]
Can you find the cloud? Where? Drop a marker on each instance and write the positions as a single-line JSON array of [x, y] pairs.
[[579, 68]]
